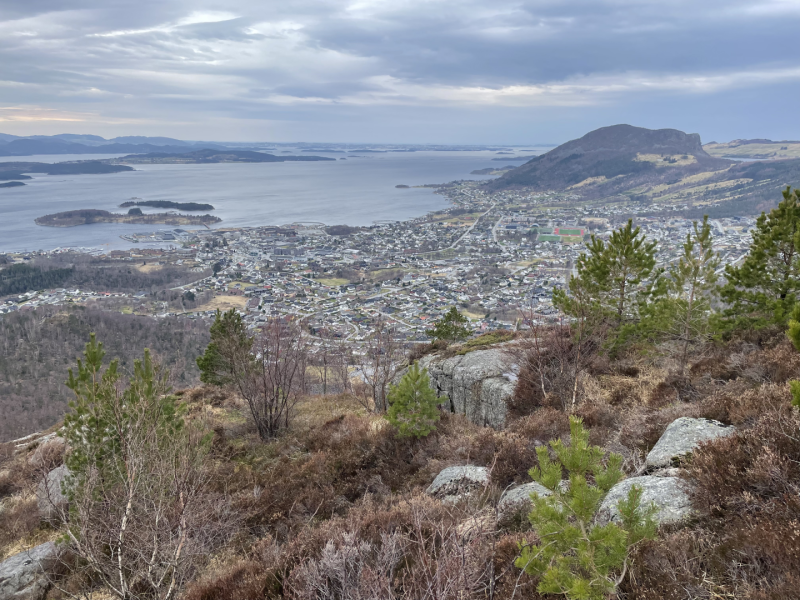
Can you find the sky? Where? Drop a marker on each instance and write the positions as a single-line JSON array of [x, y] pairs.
[[399, 71]]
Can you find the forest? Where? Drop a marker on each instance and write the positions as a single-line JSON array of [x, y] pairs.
[[37, 347], [72, 270]]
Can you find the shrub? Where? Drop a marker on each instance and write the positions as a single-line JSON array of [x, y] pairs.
[[245, 580], [577, 557], [413, 405]]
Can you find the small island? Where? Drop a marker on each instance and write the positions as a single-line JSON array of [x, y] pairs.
[[190, 206], [11, 184], [73, 218], [402, 186]]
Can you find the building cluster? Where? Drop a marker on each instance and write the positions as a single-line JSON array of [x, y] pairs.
[[494, 256]]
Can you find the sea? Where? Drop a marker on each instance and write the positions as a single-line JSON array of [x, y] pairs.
[[357, 191]]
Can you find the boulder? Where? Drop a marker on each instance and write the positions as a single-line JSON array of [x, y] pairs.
[[667, 493], [681, 437], [476, 385], [455, 483], [49, 496], [24, 576], [518, 499]]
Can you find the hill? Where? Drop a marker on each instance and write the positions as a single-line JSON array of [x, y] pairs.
[[27, 147], [754, 149], [663, 166], [622, 152]]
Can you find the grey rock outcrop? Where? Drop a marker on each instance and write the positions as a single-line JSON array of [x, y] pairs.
[[667, 493], [681, 437], [455, 483], [518, 499], [24, 576], [49, 495], [476, 384]]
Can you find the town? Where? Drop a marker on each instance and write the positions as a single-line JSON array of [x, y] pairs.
[[494, 256]]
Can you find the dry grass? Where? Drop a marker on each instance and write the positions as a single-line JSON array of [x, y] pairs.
[[223, 303]]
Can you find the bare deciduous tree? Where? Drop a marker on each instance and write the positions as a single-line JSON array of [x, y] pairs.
[[378, 363], [553, 358], [272, 378]]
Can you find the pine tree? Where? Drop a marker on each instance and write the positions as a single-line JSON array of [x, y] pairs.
[[576, 557], [229, 346], [136, 481], [451, 327], [613, 279], [413, 405], [682, 312], [763, 290], [96, 425], [794, 335]]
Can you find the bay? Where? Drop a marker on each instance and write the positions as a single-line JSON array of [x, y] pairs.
[[356, 191]]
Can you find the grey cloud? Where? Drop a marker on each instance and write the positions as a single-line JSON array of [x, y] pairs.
[[161, 61]]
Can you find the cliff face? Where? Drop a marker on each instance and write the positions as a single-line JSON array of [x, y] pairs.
[[476, 384]]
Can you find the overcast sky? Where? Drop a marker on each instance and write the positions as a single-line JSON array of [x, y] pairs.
[[412, 71]]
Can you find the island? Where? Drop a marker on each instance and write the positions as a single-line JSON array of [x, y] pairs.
[[14, 170], [73, 218], [402, 186], [11, 184], [190, 206], [208, 156]]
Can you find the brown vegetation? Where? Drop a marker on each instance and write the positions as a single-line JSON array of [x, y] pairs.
[[333, 506]]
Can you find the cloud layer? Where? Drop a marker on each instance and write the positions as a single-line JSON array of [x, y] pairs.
[[511, 71]]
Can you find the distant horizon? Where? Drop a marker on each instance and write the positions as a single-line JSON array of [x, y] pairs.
[[364, 143]]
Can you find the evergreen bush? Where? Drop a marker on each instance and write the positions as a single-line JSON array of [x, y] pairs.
[[576, 557], [413, 405]]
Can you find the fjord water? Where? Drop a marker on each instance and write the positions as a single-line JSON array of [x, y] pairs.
[[356, 191]]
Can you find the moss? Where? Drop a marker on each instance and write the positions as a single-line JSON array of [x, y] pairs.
[[483, 341]]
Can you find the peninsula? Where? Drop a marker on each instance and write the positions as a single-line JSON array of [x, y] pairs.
[[73, 218], [15, 170], [209, 155]]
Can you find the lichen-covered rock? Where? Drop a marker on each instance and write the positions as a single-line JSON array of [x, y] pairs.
[[518, 499], [476, 384], [25, 576], [454, 483], [49, 495], [681, 437], [667, 493]]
